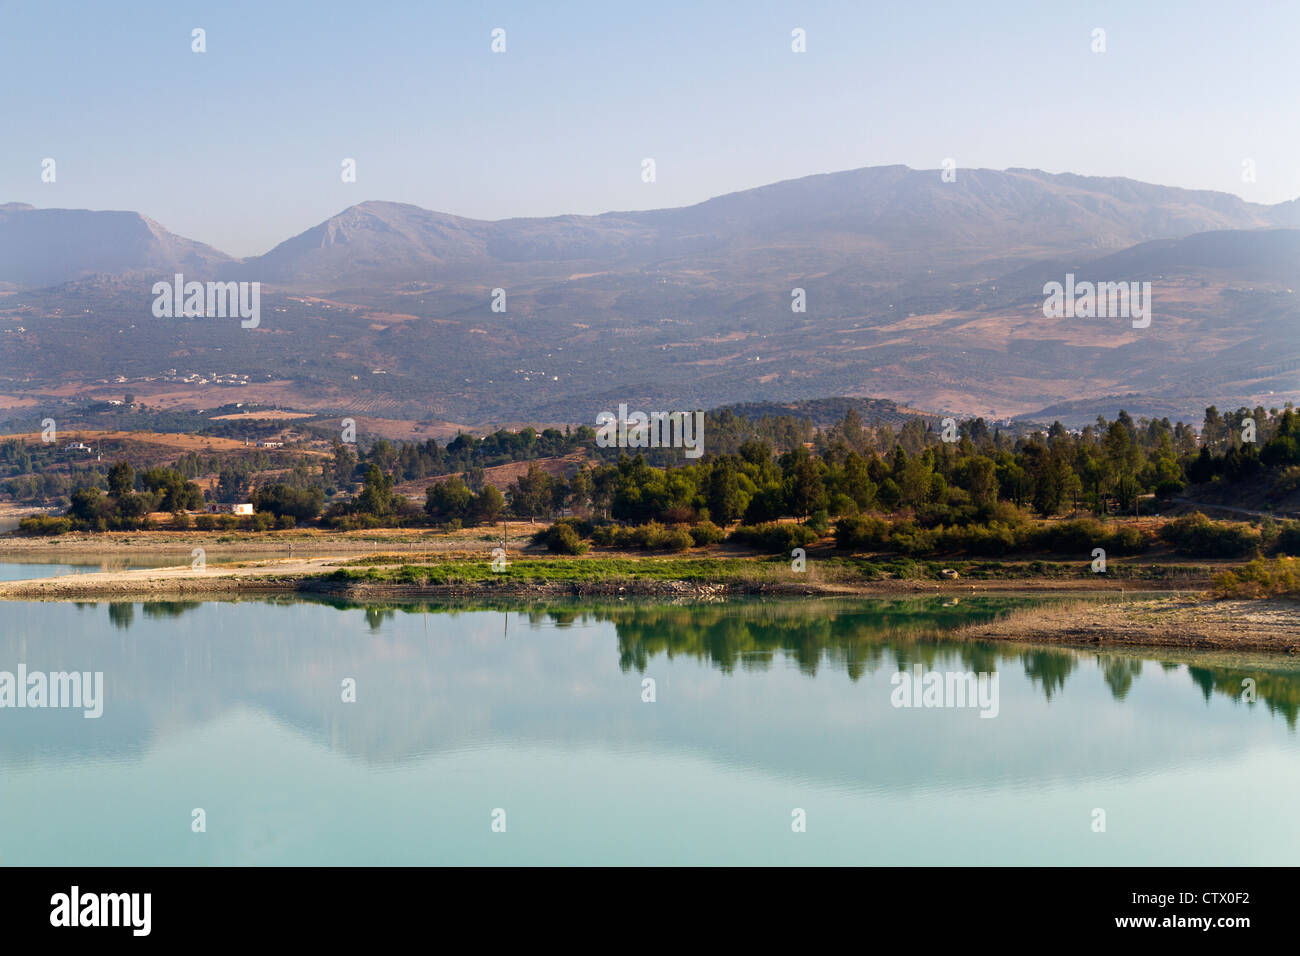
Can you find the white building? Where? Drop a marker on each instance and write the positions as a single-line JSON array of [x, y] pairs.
[[230, 508]]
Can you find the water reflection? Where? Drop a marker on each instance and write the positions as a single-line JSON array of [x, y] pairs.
[[761, 706], [855, 638]]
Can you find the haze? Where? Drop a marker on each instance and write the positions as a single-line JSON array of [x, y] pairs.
[[241, 146]]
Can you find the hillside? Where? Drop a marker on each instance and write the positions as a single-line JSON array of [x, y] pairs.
[[924, 291], [41, 247]]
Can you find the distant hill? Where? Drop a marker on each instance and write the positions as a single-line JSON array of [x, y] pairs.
[[921, 290], [887, 221], [42, 247]]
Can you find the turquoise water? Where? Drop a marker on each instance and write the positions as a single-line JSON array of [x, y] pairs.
[[761, 710], [25, 568], [16, 569]]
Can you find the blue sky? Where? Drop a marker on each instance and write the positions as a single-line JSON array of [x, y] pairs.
[[241, 146]]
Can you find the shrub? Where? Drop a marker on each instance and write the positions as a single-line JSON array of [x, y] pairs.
[[582, 526], [908, 538], [605, 535], [1072, 537], [1287, 538], [861, 532], [1263, 577], [706, 532], [262, 521], [1128, 540], [357, 522], [673, 539], [990, 540], [44, 525], [282, 499], [206, 522], [561, 538], [1197, 536], [285, 522], [181, 520], [1284, 482], [777, 538], [655, 537]]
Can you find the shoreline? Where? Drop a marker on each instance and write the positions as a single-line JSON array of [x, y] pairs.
[[318, 576], [1162, 606]]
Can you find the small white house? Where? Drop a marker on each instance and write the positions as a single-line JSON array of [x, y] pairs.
[[230, 508]]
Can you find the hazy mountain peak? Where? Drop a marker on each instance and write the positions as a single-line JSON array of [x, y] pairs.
[[40, 247]]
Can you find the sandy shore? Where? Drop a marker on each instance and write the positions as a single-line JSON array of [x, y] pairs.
[[285, 574], [1174, 621], [303, 574]]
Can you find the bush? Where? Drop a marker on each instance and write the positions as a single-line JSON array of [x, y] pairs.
[[654, 536], [583, 527], [1288, 538], [282, 499], [44, 525], [605, 535], [1072, 537], [777, 538], [181, 520], [992, 539], [357, 522], [1284, 482], [1263, 577], [1197, 536], [285, 523], [706, 532], [1128, 540], [674, 539], [861, 533], [908, 538], [561, 538], [262, 521], [206, 522]]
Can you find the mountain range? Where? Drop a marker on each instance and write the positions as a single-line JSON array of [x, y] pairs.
[[916, 289]]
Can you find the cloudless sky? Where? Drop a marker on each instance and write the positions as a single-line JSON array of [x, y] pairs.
[[241, 146]]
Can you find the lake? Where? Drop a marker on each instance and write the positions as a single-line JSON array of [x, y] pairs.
[[20, 569], [525, 735]]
